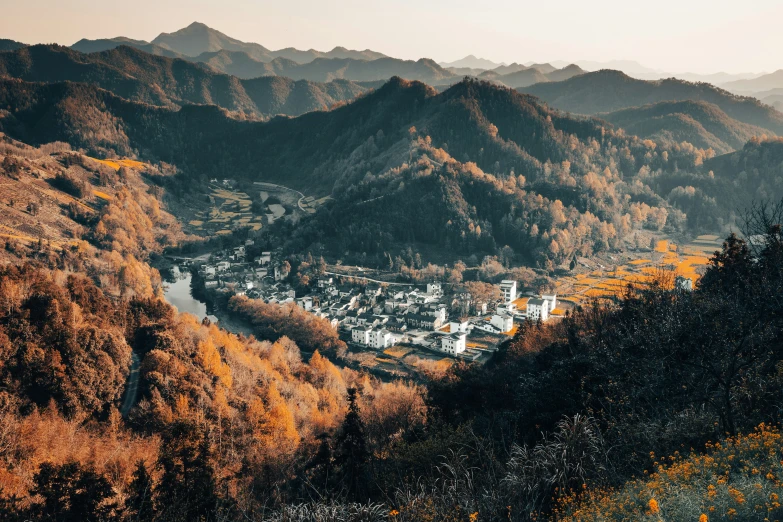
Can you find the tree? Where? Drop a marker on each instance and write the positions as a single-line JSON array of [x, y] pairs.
[[186, 490], [71, 493], [139, 505], [351, 451]]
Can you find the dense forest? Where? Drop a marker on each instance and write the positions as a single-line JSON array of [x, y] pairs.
[[562, 423], [171, 82], [584, 178]]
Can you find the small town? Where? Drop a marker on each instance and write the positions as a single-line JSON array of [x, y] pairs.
[[381, 315]]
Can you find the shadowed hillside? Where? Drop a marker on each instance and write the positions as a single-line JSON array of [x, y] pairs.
[[158, 80], [700, 123], [607, 91]]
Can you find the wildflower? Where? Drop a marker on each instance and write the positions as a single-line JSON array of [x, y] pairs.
[[394, 512], [703, 518], [474, 516], [731, 512], [653, 505]]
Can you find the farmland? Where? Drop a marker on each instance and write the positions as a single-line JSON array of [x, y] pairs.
[[607, 283]]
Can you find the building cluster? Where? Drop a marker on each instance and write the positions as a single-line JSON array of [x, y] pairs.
[[262, 278], [378, 315]]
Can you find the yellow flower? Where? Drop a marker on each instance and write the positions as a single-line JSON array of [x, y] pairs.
[[653, 505], [474, 516], [394, 512], [703, 518]]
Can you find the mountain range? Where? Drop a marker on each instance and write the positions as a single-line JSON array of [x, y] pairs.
[[198, 39], [607, 91], [702, 124], [159, 80], [762, 83]]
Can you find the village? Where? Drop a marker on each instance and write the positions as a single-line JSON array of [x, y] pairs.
[[433, 318]]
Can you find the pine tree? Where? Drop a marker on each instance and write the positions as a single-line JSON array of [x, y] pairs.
[[351, 451], [139, 503]]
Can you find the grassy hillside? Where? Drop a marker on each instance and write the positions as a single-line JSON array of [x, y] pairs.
[[608, 91]]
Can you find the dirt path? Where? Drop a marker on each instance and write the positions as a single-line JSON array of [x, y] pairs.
[[131, 386]]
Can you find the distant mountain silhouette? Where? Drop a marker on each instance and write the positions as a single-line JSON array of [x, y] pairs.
[[565, 73], [158, 80], [95, 46], [10, 45], [523, 78], [325, 69], [512, 68], [608, 91], [472, 62], [700, 123], [338, 52], [762, 83], [197, 38]]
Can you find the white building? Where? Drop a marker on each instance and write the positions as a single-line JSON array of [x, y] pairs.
[[381, 338], [209, 270], [537, 309], [503, 322], [458, 326], [683, 283], [361, 335], [434, 288], [453, 343], [509, 289], [265, 258], [552, 301]]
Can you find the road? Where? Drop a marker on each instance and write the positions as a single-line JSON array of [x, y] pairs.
[[301, 196], [131, 385], [368, 279]]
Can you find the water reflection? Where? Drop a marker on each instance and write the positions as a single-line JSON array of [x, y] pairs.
[[177, 293]]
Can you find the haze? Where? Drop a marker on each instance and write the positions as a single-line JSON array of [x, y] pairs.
[[698, 36]]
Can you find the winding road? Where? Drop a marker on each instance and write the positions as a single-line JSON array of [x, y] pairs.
[[131, 385]]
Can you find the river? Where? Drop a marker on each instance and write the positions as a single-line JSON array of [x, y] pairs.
[[177, 294]]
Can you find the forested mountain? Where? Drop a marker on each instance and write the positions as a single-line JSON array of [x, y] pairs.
[[523, 78], [10, 45], [197, 38], [591, 402], [241, 65], [519, 76], [511, 68], [699, 123], [95, 46], [569, 71], [607, 91], [327, 69], [158, 80], [566, 184]]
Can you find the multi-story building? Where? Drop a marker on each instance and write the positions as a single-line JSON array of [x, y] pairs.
[[509, 290], [537, 309], [361, 335], [453, 343]]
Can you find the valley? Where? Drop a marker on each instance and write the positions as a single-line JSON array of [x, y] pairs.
[[242, 278]]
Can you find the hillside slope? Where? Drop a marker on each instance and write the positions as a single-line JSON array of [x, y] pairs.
[[699, 123], [158, 80], [608, 91]]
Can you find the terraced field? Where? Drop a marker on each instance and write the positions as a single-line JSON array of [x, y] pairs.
[[229, 209], [608, 284]]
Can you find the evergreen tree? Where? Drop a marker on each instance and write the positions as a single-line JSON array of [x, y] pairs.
[[187, 487], [70, 493], [139, 503], [352, 454]]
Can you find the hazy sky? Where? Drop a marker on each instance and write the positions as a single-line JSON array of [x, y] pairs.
[[673, 35]]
